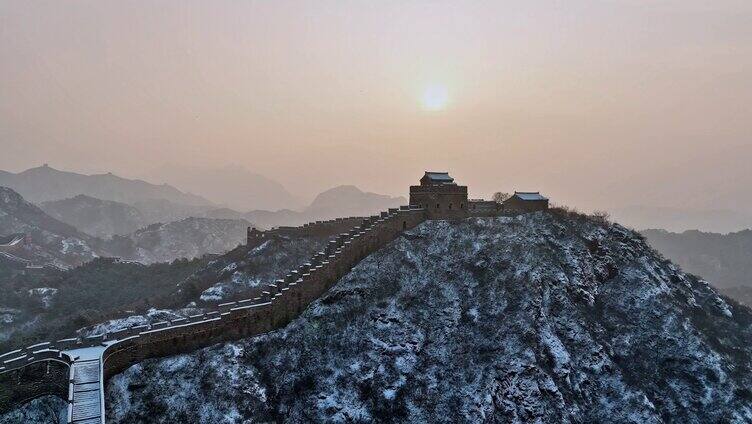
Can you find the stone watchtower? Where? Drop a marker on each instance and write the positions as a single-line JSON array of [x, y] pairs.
[[254, 236], [440, 196]]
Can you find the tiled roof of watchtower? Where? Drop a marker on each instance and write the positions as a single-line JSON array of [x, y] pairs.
[[438, 177], [529, 195]]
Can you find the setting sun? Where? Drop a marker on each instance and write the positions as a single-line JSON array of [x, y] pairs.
[[435, 97]]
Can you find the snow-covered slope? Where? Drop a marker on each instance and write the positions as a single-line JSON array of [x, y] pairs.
[[187, 238], [51, 241], [545, 318], [119, 294], [245, 269], [43, 410], [541, 318]]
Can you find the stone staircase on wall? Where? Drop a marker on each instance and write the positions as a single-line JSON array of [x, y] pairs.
[[94, 359], [85, 396]]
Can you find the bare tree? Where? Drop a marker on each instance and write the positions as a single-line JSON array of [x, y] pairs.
[[602, 216], [500, 197]]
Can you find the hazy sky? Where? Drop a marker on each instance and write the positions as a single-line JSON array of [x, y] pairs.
[[597, 103]]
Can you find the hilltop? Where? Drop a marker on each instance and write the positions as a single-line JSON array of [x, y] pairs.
[[544, 317], [547, 317]]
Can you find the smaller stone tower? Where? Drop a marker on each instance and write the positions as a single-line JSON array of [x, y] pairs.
[[253, 236], [440, 196]]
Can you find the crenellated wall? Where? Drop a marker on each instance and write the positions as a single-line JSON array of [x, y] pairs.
[[483, 208], [319, 228], [311, 229], [37, 375], [281, 302]]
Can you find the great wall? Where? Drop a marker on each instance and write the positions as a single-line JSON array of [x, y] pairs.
[[76, 369]]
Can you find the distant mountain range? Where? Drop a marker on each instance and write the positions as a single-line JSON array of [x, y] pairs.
[[45, 183], [96, 217], [341, 201], [52, 242], [723, 259], [348, 200], [232, 186], [68, 232], [78, 199], [104, 218], [80, 217], [677, 219]]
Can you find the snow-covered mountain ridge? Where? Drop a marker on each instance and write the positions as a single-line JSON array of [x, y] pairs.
[[546, 317], [187, 238], [55, 242], [540, 318]]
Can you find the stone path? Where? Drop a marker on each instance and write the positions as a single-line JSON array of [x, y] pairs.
[[86, 389]]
